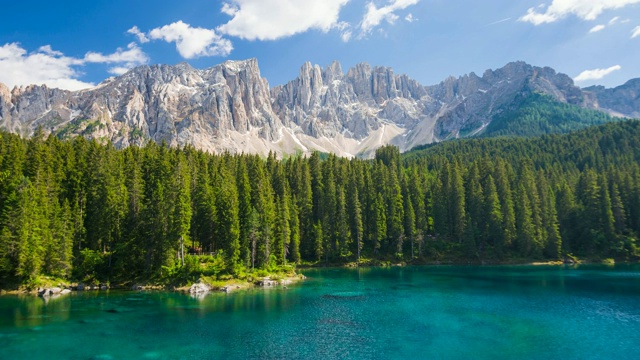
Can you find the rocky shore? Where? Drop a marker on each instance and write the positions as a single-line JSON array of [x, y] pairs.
[[202, 287]]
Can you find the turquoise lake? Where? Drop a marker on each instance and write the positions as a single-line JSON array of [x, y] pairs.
[[442, 312]]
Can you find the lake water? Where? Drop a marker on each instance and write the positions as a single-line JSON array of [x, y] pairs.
[[506, 312]]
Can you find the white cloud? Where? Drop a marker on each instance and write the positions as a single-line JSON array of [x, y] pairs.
[[597, 28], [635, 32], [346, 35], [192, 42], [142, 37], [229, 9], [345, 30], [275, 19], [132, 56], [119, 70], [410, 18], [53, 68], [49, 51], [614, 20], [596, 74], [583, 9], [375, 15]]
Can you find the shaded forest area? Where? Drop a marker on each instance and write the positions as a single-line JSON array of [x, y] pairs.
[[80, 210]]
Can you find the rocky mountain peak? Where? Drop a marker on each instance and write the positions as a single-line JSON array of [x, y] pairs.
[[623, 100], [333, 72], [5, 93]]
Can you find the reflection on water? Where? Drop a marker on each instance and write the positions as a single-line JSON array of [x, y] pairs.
[[370, 313]]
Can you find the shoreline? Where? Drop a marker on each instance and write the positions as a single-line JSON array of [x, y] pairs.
[[233, 285], [227, 286]]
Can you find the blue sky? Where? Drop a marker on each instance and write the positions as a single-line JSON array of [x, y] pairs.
[[76, 44]]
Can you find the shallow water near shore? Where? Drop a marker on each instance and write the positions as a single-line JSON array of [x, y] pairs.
[[532, 312]]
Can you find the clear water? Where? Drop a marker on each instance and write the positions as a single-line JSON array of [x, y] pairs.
[[450, 312]]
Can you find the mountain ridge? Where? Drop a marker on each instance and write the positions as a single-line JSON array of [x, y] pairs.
[[231, 107]]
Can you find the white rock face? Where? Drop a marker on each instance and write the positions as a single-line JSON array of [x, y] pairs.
[[230, 107]]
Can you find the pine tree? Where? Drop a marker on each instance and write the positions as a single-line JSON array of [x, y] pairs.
[[504, 193], [553, 248], [494, 232], [606, 216], [244, 210], [182, 212], [262, 200], [409, 216], [380, 229], [456, 196], [618, 211], [356, 222], [282, 229], [28, 228], [294, 240], [525, 232], [418, 197], [475, 205], [318, 240], [204, 211], [227, 224], [395, 212], [330, 207], [342, 228], [305, 209]]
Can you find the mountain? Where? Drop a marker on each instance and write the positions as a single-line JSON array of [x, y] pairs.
[[622, 100], [225, 107], [230, 107], [538, 114]]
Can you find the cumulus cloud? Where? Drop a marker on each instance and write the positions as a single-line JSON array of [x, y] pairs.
[[410, 18], [596, 74], [126, 59], [142, 37], [54, 69], [275, 19], [635, 32], [192, 42], [44, 66], [585, 10], [597, 28], [375, 15]]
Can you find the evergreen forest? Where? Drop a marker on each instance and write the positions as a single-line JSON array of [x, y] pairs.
[[538, 114], [86, 211]]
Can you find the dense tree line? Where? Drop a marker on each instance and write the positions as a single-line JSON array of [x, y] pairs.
[[78, 209]]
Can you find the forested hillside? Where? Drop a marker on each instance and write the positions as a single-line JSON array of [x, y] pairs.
[[79, 210], [539, 114]]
